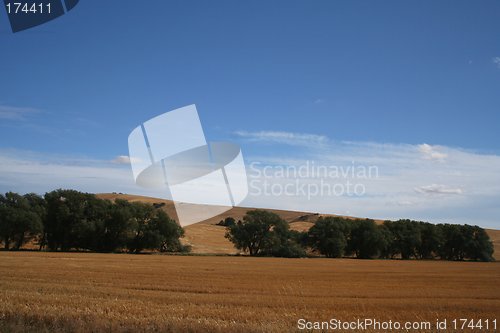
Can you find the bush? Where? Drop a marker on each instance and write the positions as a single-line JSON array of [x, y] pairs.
[[227, 222]]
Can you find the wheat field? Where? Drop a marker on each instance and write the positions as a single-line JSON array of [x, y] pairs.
[[86, 292]]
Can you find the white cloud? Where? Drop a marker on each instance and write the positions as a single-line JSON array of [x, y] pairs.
[[124, 159], [16, 113], [25, 171], [496, 60], [431, 152], [438, 189], [465, 186], [289, 138], [405, 203]]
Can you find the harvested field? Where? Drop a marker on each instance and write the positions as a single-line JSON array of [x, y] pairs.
[[82, 292]]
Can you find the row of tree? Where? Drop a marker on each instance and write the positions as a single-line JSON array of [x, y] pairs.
[[265, 233], [67, 219], [70, 220]]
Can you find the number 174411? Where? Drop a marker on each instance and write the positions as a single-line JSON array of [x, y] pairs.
[[479, 324], [25, 8]]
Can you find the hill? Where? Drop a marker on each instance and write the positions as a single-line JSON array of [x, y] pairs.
[[208, 237]]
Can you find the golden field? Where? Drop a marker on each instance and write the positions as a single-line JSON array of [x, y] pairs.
[[86, 292]]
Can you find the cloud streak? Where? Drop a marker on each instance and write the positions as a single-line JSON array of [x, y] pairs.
[[16, 113], [125, 160], [464, 187], [25, 171], [431, 152], [288, 138], [438, 189], [425, 182], [496, 61]]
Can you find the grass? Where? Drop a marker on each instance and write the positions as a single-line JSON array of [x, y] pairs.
[[86, 292]]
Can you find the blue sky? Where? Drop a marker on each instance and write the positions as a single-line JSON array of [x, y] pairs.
[[387, 72]]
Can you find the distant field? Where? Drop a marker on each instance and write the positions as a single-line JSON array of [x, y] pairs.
[[78, 292]]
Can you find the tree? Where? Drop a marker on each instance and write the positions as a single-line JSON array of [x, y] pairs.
[[366, 240], [284, 242], [170, 233], [462, 242], [329, 236], [78, 220], [39, 207], [73, 219], [18, 220], [117, 226], [143, 237], [387, 238], [153, 229], [479, 246], [453, 240], [431, 241], [406, 238], [263, 233]]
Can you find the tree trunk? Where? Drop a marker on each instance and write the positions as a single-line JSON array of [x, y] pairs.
[[20, 242]]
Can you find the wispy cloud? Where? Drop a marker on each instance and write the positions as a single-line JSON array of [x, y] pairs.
[[16, 113], [496, 61], [438, 189], [289, 138], [26, 171], [124, 159], [464, 187], [431, 152]]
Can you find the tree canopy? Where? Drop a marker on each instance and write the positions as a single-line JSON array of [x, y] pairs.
[[264, 233], [70, 220]]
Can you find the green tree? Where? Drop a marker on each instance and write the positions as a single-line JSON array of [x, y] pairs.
[[284, 242], [366, 239], [387, 238], [431, 241], [153, 229], [18, 220], [117, 226], [39, 207], [73, 219], [479, 246], [329, 236], [453, 242], [406, 238], [263, 233], [462, 242], [143, 235], [170, 233]]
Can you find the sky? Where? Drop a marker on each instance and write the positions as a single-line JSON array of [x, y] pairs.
[[412, 87]]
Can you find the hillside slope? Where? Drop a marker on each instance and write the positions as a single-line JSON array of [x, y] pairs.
[[208, 237]]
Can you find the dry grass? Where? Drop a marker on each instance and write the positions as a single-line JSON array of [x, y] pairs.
[[77, 292]]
